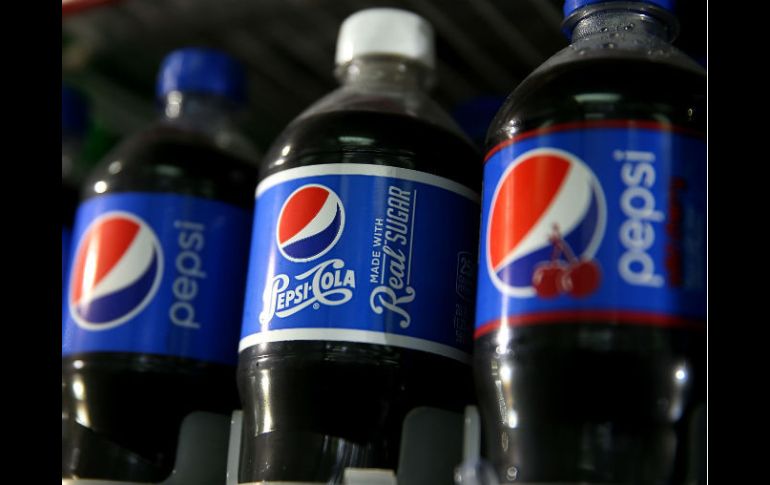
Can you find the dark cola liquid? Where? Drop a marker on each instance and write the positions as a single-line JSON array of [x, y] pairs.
[[597, 402], [69, 202], [313, 408], [125, 422]]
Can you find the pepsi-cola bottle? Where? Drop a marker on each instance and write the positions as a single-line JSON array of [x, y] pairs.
[[157, 278], [589, 353], [361, 279]]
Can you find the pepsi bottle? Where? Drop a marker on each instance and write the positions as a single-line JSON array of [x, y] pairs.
[[158, 272], [361, 279], [589, 355]]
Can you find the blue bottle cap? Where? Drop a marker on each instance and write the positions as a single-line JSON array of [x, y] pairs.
[[205, 71], [572, 5], [74, 111]]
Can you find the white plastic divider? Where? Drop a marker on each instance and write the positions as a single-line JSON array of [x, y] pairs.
[[369, 476], [234, 447], [473, 470]]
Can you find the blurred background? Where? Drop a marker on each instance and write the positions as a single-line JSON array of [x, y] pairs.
[[111, 50]]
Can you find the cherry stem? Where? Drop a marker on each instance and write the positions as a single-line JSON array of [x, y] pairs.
[[557, 250], [563, 245], [568, 251], [555, 239]]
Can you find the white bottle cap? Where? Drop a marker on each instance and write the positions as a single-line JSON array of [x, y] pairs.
[[389, 31]]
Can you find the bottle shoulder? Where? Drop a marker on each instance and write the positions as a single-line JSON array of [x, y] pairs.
[[374, 137], [591, 81], [414, 103], [163, 158]]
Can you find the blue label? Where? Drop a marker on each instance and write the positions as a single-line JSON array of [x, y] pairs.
[[157, 274], [594, 222], [363, 253]]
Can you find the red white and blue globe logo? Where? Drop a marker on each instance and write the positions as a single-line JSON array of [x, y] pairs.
[[546, 222], [310, 223], [116, 271]]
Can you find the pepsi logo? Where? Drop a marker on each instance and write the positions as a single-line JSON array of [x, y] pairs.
[[116, 271], [310, 223], [546, 222]]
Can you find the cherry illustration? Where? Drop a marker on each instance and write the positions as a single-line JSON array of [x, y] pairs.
[[578, 277], [548, 278], [581, 278]]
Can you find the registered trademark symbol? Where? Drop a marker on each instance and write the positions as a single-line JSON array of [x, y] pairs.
[[316, 306]]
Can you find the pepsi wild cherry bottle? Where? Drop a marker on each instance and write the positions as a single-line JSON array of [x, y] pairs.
[[360, 290], [157, 280], [589, 355]]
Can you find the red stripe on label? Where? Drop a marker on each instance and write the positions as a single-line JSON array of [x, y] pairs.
[[619, 317], [638, 124]]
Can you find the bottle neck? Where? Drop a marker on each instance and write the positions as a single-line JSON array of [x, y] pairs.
[[385, 73], [624, 18], [211, 116], [184, 108]]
